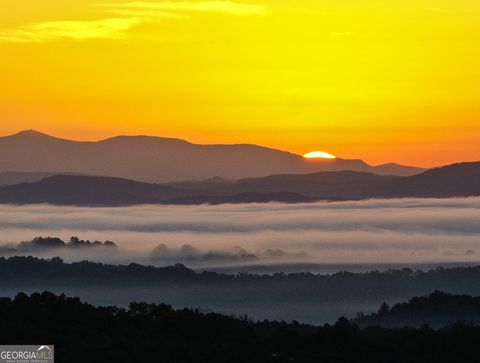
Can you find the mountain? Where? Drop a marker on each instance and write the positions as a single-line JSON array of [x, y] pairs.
[[458, 180], [15, 177], [107, 191], [87, 190], [461, 180], [325, 185], [159, 160], [396, 169]]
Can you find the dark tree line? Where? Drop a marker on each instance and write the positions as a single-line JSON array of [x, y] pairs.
[[158, 333], [55, 242], [56, 267], [437, 309]]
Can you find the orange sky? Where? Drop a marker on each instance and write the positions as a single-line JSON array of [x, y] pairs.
[[383, 81]]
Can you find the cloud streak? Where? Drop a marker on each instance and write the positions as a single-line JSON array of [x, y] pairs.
[[110, 28], [220, 7], [127, 17]]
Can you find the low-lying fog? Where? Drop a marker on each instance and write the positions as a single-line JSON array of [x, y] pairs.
[[386, 231]]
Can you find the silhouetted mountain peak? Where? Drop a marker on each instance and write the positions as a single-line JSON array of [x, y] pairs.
[[31, 133], [127, 139], [34, 138], [457, 167]]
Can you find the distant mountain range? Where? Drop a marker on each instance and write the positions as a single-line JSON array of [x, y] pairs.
[[457, 180], [160, 160], [16, 177], [460, 180]]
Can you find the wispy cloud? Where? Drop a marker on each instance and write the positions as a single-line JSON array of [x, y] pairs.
[[111, 28], [222, 7], [127, 16]]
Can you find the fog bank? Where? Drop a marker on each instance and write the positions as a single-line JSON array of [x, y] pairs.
[[396, 231]]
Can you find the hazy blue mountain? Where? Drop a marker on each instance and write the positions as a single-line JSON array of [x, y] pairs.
[[158, 160]]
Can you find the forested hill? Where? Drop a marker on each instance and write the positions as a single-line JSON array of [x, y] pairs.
[[156, 332], [277, 296], [437, 309], [55, 269], [22, 271]]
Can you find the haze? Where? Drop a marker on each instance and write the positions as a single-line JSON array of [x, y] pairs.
[[390, 231]]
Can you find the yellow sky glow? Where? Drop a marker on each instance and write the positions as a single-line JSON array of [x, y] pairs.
[[378, 80]]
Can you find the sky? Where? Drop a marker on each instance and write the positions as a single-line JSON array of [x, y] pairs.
[[383, 81]]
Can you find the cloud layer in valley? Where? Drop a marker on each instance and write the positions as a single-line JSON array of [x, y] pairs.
[[405, 231]]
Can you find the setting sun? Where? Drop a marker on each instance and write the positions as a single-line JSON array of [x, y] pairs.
[[319, 155]]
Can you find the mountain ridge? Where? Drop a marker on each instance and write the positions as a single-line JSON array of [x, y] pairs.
[[159, 160], [288, 188]]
